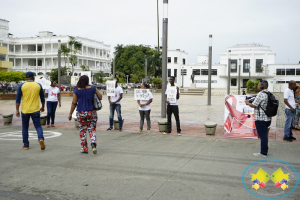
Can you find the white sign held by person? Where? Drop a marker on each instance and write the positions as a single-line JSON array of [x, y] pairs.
[[141, 94], [87, 73], [171, 95], [110, 88]]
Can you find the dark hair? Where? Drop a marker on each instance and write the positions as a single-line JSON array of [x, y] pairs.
[[296, 88], [146, 85], [52, 82], [117, 79], [172, 77], [83, 81]]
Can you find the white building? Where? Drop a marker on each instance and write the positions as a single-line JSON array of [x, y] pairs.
[[255, 61], [39, 53]]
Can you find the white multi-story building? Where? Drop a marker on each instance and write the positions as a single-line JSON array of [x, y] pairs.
[[39, 53], [254, 61]]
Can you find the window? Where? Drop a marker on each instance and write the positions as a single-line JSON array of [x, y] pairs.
[[2, 57], [280, 71], [214, 72], [290, 71], [196, 71], [233, 66], [246, 65], [183, 61], [280, 81], [169, 59], [297, 71], [175, 75], [233, 82], [258, 67], [183, 72], [175, 60], [169, 72], [204, 71]]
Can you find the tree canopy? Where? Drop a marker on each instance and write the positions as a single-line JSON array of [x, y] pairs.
[[130, 60], [11, 76]]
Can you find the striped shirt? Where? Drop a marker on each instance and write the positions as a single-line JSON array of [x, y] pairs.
[[261, 102]]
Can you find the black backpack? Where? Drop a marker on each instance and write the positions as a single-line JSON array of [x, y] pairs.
[[272, 105]]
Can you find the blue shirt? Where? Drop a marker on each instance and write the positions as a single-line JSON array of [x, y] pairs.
[[85, 99]]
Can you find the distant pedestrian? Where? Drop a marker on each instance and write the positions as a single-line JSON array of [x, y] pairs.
[[53, 98], [290, 106], [173, 108], [30, 92], [262, 121], [115, 104], [83, 98], [295, 121], [145, 109]]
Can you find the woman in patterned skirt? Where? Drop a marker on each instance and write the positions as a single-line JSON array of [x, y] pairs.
[[83, 97]]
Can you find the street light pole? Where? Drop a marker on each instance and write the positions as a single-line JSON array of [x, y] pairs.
[[114, 66], [164, 58], [127, 79], [239, 79], [229, 68], [146, 70], [209, 70], [59, 64]]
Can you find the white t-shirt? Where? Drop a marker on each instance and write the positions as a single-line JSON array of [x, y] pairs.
[[172, 104], [118, 91], [147, 107], [289, 95], [52, 93]]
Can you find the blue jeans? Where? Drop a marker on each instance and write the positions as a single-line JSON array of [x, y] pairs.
[[25, 125], [262, 131], [288, 123], [51, 108], [112, 109]]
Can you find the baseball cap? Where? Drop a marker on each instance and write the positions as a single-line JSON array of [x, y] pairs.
[[30, 74]]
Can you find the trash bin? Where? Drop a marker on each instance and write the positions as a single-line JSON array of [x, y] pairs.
[[7, 118], [210, 128], [76, 122], [43, 119], [116, 124], [163, 126]]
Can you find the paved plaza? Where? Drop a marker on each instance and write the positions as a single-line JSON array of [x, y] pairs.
[[132, 165]]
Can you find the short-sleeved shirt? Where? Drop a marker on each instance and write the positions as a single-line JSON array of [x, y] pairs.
[[118, 91], [52, 93], [146, 107], [290, 96], [261, 101], [172, 104], [85, 99], [30, 92]]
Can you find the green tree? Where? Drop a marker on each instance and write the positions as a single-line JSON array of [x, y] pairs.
[[11, 76], [85, 68], [65, 51], [250, 86], [54, 73], [156, 82], [99, 76], [75, 46]]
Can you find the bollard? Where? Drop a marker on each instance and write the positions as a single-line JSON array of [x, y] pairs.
[[7, 118], [116, 124], [43, 119], [163, 126], [210, 128], [75, 122]]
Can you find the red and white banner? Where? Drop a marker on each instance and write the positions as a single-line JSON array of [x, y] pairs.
[[239, 118]]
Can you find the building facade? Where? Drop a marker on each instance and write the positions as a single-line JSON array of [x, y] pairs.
[[39, 53]]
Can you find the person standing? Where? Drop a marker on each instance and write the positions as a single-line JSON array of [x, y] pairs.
[[53, 98], [83, 98], [262, 121], [115, 104], [30, 92], [173, 108], [290, 106], [145, 109], [295, 121]]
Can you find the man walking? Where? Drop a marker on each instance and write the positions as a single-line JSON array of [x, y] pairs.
[[262, 121], [290, 105], [30, 92], [115, 104], [173, 108]]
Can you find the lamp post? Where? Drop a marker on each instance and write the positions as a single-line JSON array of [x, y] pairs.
[[229, 68], [164, 58], [146, 71], [209, 70], [59, 64], [114, 66], [239, 79], [127, 79]]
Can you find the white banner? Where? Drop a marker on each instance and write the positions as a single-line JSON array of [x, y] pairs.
[[110, 88], [141, 94], [87, 73], [171, 95]]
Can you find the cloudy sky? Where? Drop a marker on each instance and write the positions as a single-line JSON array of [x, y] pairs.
[[274, 23]]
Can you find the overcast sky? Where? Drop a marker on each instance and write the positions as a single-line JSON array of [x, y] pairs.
[[274, 23]]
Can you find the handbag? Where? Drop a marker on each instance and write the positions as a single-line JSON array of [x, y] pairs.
[[97, 102]]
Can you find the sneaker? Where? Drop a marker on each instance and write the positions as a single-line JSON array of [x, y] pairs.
[[140, 130], [149, 131], [165, 133], [292, 138], [26, 147], [178, 133], [94, 150], [259, 154], [109, 129], [42, 144], [287, 139]]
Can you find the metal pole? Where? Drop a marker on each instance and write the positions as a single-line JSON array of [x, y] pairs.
[[239, 79], [59, 65], [229, 68], [164, 63], [127, 79], [146, 71], [114, 66], [209, 70]]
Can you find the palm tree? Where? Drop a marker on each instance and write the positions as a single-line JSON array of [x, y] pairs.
[[75, 46], [65, 52]]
